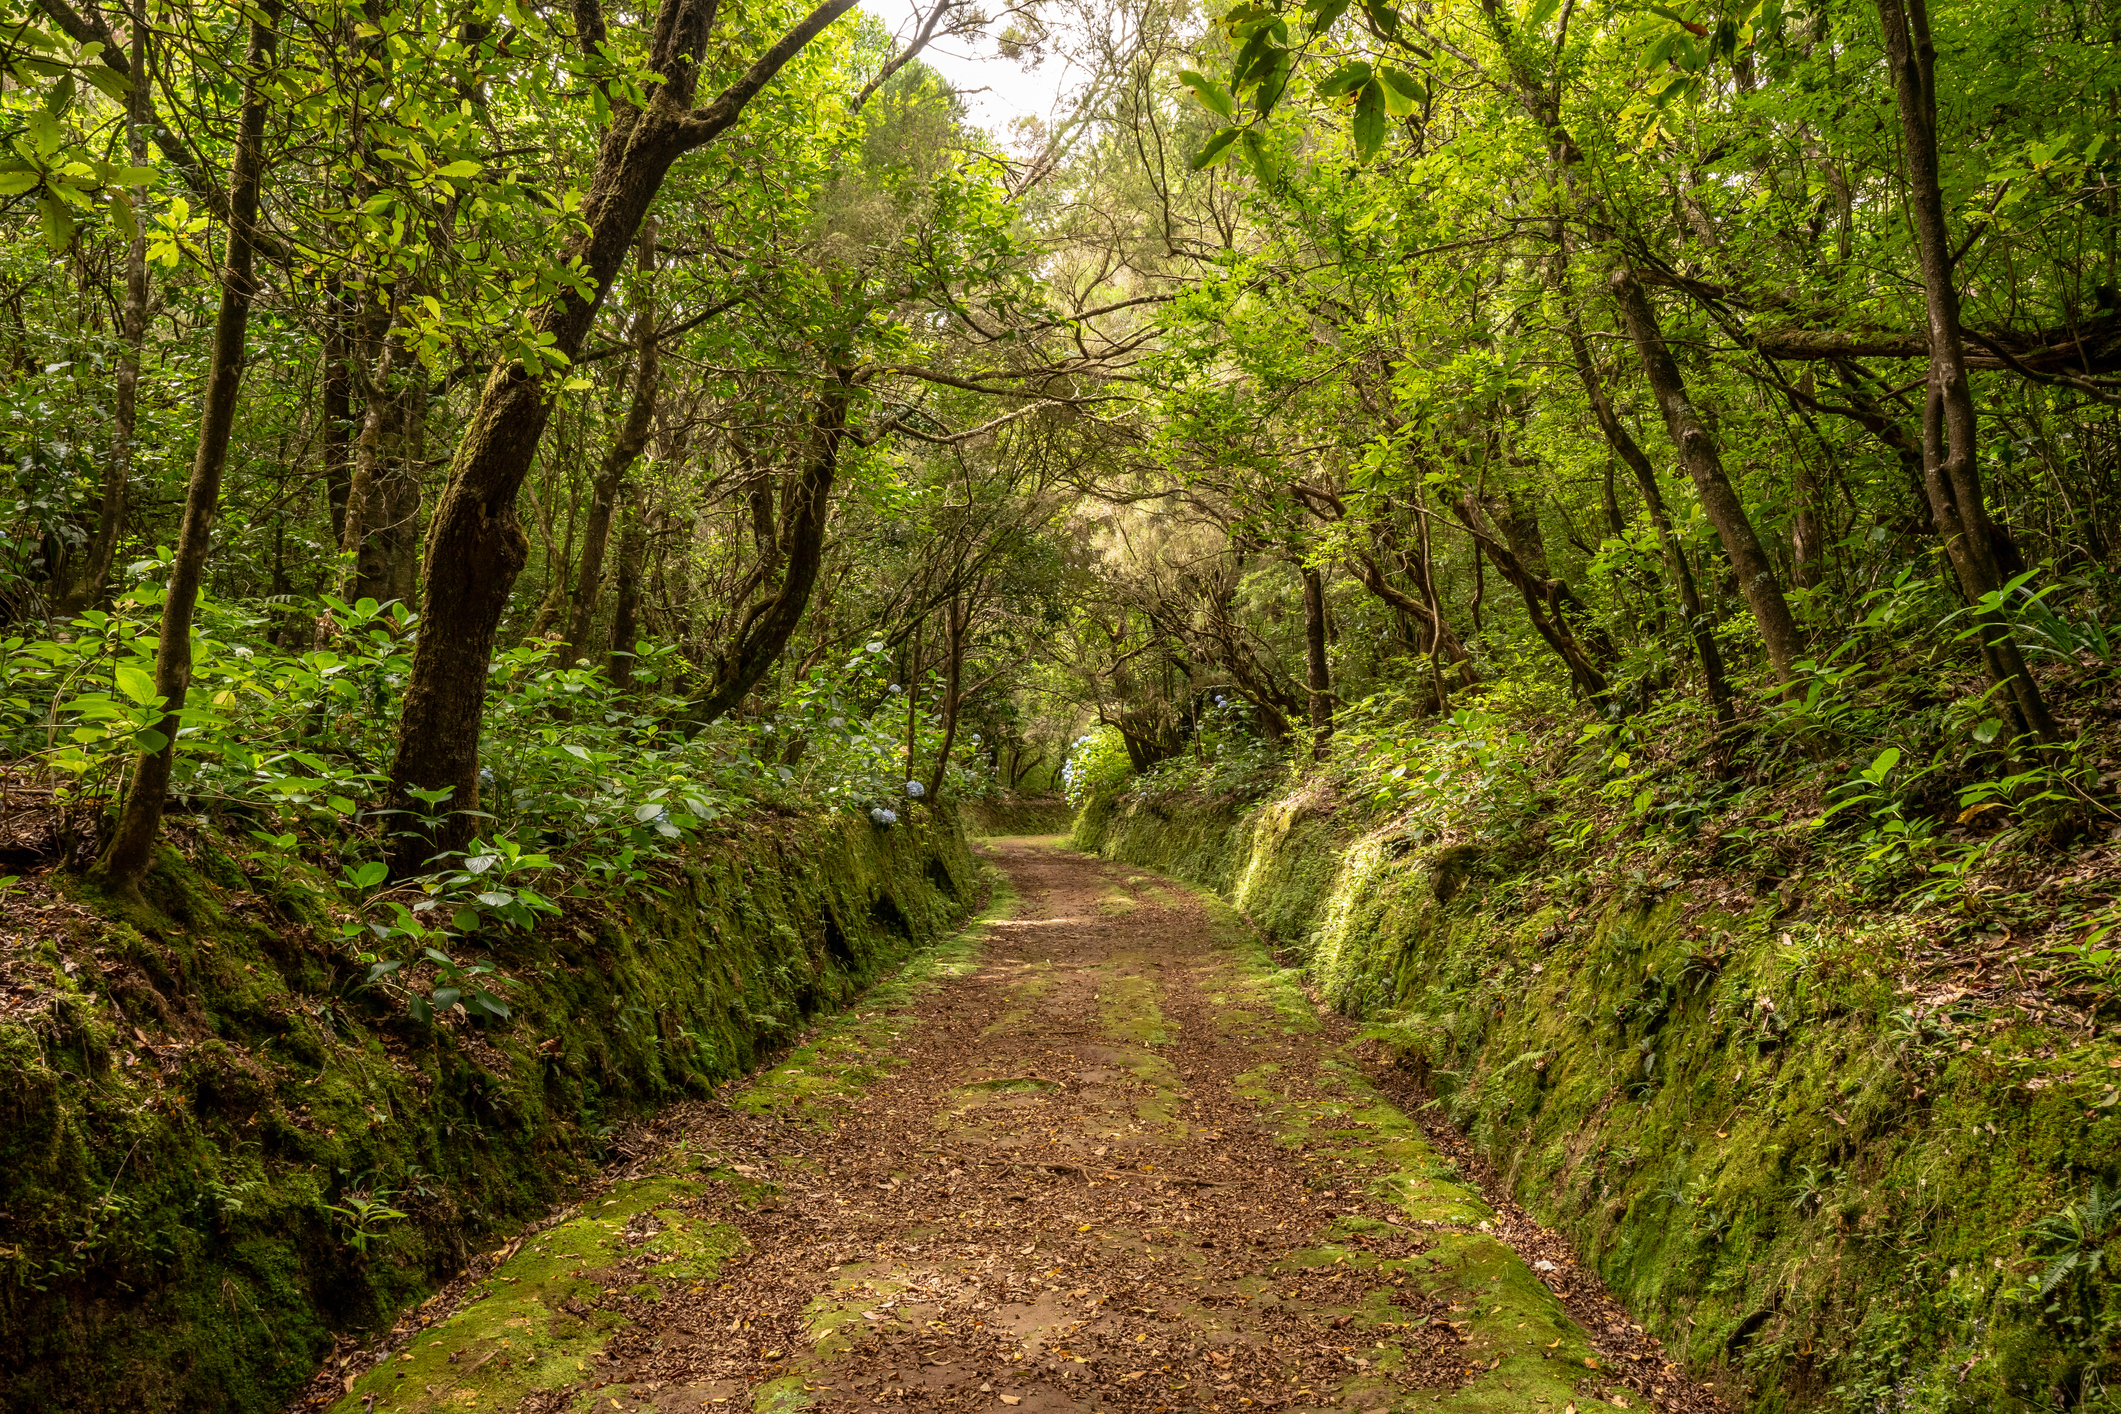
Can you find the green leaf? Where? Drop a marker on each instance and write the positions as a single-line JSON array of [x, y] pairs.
[[1324, 14], [1257, 59], [1272, 80], [465, 920], [1215, 149], [459, 169], [1344, 80], [1404, 94], [150, 741], [58, 224], [1369, 125], [16, 183], [374, 872], [1209, 92], [1383, 16], [1988, 731], [135, 681], [1260, 156], [1699, 31]]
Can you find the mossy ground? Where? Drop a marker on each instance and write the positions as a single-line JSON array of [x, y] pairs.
[[1802, 1163], [200, 1106]]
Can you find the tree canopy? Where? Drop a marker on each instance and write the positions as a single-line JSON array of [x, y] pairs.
[[443, 425]]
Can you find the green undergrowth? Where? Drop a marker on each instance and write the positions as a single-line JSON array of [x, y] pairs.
[[1827, 1177], [217, 1150]]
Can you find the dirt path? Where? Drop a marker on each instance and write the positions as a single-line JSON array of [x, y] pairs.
[[1098, 1155]]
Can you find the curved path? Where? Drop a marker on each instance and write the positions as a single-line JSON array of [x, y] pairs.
[[1099, 1154]]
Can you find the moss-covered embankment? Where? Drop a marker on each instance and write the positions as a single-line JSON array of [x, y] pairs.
[[1811, 1167], [216, 1151], [1018, 815]]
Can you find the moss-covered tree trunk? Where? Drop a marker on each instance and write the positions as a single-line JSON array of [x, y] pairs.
[[132, 846]]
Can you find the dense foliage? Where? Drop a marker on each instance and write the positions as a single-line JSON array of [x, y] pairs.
[[479, 445]]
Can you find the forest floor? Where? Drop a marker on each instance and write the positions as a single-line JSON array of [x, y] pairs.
[[1098, 1154]]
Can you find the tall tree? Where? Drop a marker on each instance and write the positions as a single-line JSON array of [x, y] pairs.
[[475, 547], [131, 849], [1951, 470]]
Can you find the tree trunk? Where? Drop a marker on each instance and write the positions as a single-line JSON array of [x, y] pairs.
[[1437, 640], [337, 412], [1719, 499], [625, 449], [370, 362], [1624, 445], [94, 579], [768, 624], [626, 595], [1542, 600], [1317, 674], [131, 849], [392, 496], [1807, 531], [1951, 472], [402, 498], [475, 546], [559, 553], [913, 693], [955, 618]]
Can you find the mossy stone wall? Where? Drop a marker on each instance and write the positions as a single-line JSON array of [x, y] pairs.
[[1746, 1123], [179, 1123]]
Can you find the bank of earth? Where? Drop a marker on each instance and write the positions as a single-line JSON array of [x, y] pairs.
[[1836, 1161], [219, 1154], [1098, 1153]]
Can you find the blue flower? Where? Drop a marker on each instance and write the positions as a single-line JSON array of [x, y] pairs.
[[915, 789], [882, 818]]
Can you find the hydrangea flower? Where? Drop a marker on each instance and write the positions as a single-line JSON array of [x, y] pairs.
[[915, 789], [882, 818]]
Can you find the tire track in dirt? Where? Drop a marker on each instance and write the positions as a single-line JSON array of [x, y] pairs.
[[1100, 1155]]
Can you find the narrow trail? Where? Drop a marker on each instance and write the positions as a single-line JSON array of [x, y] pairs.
[[1098, 1155]]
